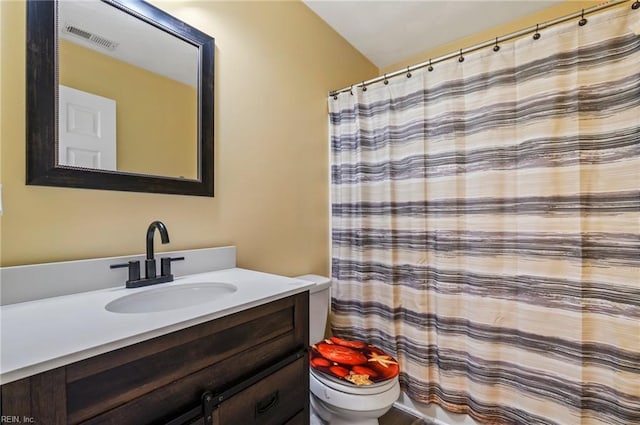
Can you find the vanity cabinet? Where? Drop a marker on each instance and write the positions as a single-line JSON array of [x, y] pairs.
[[247, 368]]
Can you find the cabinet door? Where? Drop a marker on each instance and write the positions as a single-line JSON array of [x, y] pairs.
[[275, 400]]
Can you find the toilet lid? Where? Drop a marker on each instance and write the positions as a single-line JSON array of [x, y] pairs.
[[353, 363]]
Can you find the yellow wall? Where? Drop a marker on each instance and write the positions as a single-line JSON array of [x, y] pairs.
[[161, 139], [275, 63], [531, 20]]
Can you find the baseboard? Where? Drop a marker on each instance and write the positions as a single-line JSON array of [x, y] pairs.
[[431, 414]]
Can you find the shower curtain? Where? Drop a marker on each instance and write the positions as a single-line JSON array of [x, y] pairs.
[[486, 226]]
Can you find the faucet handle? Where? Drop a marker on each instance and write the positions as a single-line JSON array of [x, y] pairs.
[[165, 265], [134, 269]]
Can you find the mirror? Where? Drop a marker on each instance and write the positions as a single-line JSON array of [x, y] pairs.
[[119, 97], [116, 75]]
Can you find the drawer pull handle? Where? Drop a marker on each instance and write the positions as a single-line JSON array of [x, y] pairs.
[[267, 403]]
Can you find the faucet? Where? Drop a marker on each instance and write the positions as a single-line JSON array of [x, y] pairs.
[[151, 277], [150, 262]]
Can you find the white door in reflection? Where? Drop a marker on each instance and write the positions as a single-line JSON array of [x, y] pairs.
[[87, 130]]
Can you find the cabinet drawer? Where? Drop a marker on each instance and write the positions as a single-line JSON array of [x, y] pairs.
[[275, 400]]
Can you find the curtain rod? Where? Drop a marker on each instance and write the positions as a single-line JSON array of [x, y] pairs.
[[533, 29]]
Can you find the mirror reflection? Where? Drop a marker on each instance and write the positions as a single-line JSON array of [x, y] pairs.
[[127, 94]]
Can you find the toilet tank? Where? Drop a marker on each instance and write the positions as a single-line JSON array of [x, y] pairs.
[[318, 305]]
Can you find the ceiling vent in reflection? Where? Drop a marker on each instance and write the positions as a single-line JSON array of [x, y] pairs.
[[95, 39]]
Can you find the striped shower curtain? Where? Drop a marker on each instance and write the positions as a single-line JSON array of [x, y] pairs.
[[486, 226]]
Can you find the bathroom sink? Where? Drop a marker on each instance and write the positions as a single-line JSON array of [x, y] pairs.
[[170, 297]]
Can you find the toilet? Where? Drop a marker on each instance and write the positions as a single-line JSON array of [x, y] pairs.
[[334, 400]]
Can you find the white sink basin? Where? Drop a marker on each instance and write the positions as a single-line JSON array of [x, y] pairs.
[[170, 297]]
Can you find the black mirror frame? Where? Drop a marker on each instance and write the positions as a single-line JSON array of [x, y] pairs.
[[41, 107]]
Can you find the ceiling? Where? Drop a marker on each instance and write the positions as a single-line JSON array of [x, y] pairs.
[[390, 31]]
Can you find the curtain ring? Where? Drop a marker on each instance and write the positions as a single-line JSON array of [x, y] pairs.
[[536, 36], [430, 67], [385, 80], [408, 73], [496, 47], [364, 86], [582, 22], [335, 96], [636, 5], [351, 90], [461, 58]]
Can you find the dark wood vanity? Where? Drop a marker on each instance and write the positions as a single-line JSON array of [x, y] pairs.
[[247, 368]]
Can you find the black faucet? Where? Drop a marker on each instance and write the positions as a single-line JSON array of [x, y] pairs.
[[150, 262], [151, 277]]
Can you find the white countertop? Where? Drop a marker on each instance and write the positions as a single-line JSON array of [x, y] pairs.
[[41, 335]]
